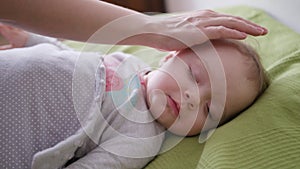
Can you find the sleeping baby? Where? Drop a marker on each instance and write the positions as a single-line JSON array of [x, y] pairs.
[[62, 108]]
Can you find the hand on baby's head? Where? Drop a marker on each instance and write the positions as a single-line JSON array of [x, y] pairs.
[[191, 94]]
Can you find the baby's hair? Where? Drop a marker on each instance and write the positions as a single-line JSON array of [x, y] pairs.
[[260, 76]]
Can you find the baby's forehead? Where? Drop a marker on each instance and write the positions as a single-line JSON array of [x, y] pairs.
[[224, 51], [208, 48], [188, 52]]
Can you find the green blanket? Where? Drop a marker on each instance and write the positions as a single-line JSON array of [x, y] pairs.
[[266, 135]]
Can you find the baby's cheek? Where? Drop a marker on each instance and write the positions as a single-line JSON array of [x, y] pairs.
[[158, 102], [166, 120], [171, 83]]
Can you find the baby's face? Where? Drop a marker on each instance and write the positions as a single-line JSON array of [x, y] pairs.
[[179, 93]]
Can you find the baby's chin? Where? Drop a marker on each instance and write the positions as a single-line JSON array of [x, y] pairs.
[[181, 131]]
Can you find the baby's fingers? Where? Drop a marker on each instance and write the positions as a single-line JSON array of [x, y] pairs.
[[5, 47], [4, 30]]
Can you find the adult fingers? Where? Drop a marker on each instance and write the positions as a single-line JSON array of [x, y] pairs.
[[246, 21], [236, 24], [205, 18], [221, 32], [249, 25]]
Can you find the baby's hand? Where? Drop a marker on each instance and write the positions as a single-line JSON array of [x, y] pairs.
[[16, 37]]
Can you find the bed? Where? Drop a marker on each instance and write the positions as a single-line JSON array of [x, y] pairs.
[[267, 134]]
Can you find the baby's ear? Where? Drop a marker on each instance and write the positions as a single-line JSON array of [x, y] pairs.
[[166, 58]]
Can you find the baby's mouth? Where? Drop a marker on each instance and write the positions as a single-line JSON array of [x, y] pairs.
[[173, 105]]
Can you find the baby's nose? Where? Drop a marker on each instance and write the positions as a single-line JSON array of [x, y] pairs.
[[190, 100], [187, 95]]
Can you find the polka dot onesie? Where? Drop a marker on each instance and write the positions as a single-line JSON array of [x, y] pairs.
[[36, 104]]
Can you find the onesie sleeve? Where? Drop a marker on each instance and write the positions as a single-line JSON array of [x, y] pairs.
[[35, 39], [100, 158], [121, 151]]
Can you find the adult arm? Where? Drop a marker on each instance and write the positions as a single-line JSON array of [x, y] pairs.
[[79, 19], [70, 19]]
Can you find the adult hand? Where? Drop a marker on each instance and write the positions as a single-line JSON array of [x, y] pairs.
[[59, 19], [196, 27]]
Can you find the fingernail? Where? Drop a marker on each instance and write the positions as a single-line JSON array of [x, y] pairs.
[[243, 35], [262, 30], [265, 30]]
